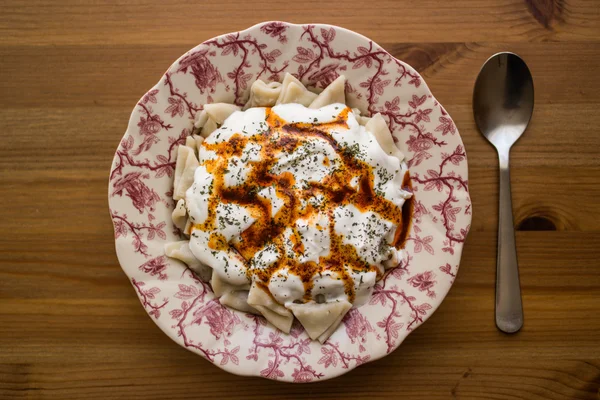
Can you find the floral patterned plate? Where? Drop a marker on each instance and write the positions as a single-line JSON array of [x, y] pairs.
[[222, 70]]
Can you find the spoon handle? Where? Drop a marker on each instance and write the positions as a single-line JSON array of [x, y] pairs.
[[509, 310]]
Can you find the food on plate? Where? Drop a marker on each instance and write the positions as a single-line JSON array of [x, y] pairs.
[[294, 205]]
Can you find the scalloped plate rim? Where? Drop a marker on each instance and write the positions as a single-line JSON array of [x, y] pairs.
[[122, 257]]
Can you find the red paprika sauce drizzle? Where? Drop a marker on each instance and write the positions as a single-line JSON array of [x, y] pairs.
[[336, 189]]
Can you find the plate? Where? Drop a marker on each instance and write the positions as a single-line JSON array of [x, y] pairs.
[[222, 70]]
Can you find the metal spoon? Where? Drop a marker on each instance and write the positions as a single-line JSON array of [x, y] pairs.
[[502, 105]]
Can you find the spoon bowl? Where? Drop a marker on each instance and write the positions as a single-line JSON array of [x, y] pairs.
[[503, 99], [502, 106]]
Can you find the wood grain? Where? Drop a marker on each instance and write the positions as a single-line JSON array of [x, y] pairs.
[[42, 21], [71, 327]]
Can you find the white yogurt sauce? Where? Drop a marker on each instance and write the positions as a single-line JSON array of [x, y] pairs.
[[312, 161]]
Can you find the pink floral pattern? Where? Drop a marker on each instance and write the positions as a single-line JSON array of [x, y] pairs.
[[222, 69]]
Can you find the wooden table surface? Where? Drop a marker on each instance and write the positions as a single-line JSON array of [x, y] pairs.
[[70, 323]]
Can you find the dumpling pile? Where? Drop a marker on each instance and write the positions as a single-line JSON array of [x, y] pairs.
[[303, 256]]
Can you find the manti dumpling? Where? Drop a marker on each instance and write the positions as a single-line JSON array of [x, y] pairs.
[[362, 120], [320, 320], [212, 116], [199, 139], [181, 251], [230, 295], [394, 260], [334, 93], [263, 94], [179, 215], [184, 171], [191, 143], [379, 128], [274, 312], [293, 91]]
